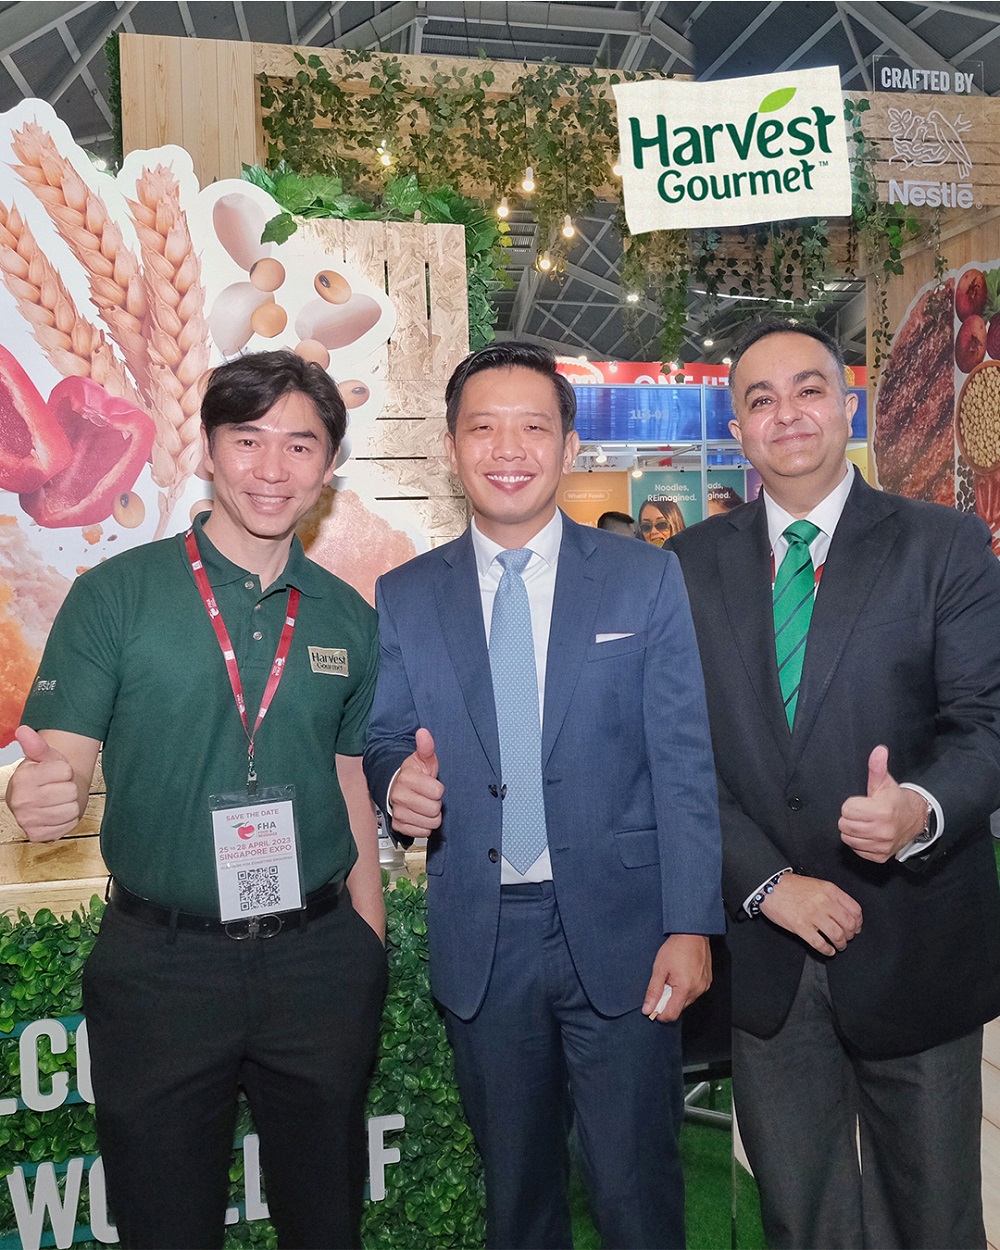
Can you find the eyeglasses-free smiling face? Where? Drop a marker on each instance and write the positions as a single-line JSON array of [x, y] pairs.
[[793, 415], [509, 452]]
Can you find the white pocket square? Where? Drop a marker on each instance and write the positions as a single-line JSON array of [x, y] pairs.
[[613, 637]]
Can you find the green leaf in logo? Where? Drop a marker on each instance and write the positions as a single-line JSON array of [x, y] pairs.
[[776, 100]]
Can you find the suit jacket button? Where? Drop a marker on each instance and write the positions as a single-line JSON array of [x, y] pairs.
[[795, 804], [494, 855]]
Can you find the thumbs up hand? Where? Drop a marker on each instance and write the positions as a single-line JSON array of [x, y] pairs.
[[415, 794], [42, 793], [881, 822]]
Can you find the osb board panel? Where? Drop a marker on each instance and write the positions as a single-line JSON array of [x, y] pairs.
[[421, 479], [403, 439], [449, 301], [175, 91], [61, 897], [991, 1182], [991, 1094], [991, 1043], [407, 271], [973, 155], [65, 860]]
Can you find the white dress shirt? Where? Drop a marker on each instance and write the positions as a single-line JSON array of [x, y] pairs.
[[539, 578], [826, 516]]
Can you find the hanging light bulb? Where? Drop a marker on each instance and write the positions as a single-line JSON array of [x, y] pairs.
[[727, 360], [637, 472], [708, 342], [503, 209], [616, 167], [632, 297], [384, 155], [528, 182], [544, 262], [568, 229]]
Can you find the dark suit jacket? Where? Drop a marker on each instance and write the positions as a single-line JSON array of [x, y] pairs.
[[628, 776], [903, 649]]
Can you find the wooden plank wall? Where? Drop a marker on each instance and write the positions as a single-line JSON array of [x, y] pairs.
[[197, 93], [991, 1133]]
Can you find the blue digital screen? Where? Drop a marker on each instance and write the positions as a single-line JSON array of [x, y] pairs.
[[639, 414], [668, 414]]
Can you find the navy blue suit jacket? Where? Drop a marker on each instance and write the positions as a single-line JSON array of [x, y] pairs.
[[629, 782], [903, 650]]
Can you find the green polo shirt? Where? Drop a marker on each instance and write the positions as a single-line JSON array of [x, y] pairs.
[[133, 661]]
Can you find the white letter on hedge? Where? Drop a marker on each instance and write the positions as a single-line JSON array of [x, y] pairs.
[[100, 1224], [30, 1215], [83, 1085], [30, 1092], [378, 1156], [255, 1204]]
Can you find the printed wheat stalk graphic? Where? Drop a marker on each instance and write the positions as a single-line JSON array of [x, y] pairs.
[[75, 346]]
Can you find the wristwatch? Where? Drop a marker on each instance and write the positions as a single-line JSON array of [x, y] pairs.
[[930, 827]]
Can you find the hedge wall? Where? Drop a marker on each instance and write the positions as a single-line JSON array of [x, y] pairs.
[[434, 1195]]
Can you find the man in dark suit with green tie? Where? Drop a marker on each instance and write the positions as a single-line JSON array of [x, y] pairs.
[[852, 659]]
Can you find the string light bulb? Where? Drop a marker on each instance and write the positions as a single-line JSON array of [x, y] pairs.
[[544, 262], [503, 209], [632, 297], [708, 342], [384, 155], [568, 229], [528, 182], [616, 167]]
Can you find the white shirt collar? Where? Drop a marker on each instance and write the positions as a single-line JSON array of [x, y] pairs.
[[544, 544], [825, 515]]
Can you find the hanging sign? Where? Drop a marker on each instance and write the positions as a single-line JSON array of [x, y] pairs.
[[889, 73], [727, 153]]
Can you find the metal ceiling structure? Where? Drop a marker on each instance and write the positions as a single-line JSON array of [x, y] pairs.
[[54, 51]]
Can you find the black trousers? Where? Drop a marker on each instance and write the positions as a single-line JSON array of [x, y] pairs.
[[178, 1021], [805, 1102], [537, 1049]]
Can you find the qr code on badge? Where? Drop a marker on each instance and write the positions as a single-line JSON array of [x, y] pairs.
[[259, 887]]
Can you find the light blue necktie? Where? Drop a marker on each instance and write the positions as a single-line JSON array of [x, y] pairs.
[[515, 694]]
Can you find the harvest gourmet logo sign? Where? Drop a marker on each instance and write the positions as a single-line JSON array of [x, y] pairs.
[[733, 152]]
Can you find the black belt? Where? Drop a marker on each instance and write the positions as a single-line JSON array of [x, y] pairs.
[[317, 904]]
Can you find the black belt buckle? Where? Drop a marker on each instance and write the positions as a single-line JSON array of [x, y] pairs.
[[268, 926]]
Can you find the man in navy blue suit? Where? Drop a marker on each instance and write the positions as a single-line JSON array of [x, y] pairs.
[[573, 846]]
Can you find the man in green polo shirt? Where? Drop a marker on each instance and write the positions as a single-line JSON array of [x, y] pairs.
[[229, 680]]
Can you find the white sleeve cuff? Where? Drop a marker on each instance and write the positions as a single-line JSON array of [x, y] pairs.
[[915, 847], [754, 894], [388, 805]]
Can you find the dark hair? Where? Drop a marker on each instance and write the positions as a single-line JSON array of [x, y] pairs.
[[511, 355], [669, 509], [779, 325], [725, 497], [606, 518], [247, 388]]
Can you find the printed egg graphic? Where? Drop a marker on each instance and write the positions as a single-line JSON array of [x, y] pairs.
[[337, 325]]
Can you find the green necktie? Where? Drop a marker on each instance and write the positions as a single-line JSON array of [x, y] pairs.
[[794, 591]]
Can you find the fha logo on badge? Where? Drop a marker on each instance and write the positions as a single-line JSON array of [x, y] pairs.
[[329, 660], [733, 152]]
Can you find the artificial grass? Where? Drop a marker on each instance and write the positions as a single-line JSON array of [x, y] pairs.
[[709, 1172]]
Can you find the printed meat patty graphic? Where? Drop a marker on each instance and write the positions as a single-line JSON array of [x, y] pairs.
[[914, 440]]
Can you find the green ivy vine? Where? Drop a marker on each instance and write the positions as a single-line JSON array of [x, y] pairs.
[[398, 199]]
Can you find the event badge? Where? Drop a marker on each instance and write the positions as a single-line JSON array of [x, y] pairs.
[[256, 853]]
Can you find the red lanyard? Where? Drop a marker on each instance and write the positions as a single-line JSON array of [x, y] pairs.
[[232, 668]]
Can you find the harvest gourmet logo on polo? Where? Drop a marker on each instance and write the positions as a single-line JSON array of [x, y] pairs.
[[728, 153], [329, 660]]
